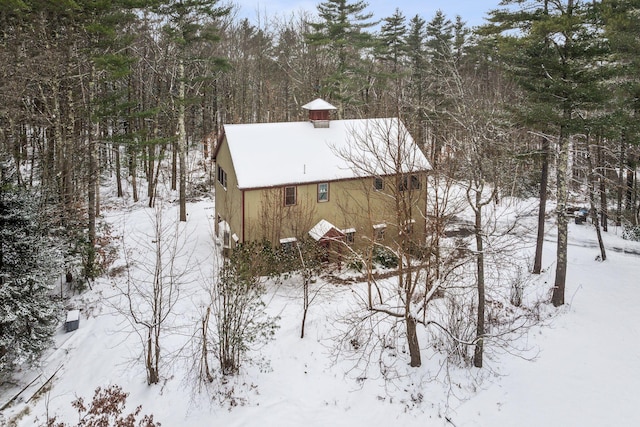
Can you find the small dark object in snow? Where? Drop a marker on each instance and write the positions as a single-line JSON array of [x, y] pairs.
[[73, 320], [581, 215]]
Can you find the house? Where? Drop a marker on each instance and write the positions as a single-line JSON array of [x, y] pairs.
[[337, 181]]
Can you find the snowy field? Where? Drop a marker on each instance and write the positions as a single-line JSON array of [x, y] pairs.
[[581, 368]]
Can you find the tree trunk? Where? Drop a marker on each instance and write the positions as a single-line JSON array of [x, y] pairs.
[[412, 340], [478, 353], [174, 166], [152, 373], [305, 306], [621, 162], [205, 351], [118, 173], [205, 126], [603, 190], [561, 213], [134, 172], [592, 202], [182, 143], [631, 171], [151, 189], [92, 179], [306, 277], [542, 209], [99, 162]]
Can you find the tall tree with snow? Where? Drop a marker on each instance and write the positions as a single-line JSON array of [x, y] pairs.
[[554, 56], [29, 263]]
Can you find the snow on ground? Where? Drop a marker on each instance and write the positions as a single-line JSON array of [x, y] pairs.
[[589, 362], [585, 373]]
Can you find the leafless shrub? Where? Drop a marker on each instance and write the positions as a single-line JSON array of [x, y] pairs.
[[106, 409], [457, 329]]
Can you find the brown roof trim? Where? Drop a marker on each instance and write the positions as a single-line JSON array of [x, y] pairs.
[[218, 144], [290, 184]]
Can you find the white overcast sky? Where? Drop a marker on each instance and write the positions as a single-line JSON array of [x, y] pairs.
[[471, 11]]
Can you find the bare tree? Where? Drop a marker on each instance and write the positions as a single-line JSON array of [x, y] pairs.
[[310, 256], [152, 288], [479, 143], [385, 149]]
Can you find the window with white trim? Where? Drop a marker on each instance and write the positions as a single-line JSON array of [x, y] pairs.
[[409, 182], [349, 235], [323, 192], [378, 183], [415, 182], [378, 231], [222, 177], [290, 196], [287, 244]]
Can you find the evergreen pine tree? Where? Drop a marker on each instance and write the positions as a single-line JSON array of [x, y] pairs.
[[392, 47], [555, 56], [391, 51], [341, 30], [622, 31], [185, 27], [439, 45], [417, 66], [29, 263]]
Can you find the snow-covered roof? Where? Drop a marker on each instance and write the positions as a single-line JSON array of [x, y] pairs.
[[319, 104], [275, 154], [73, 315], [321, 229]]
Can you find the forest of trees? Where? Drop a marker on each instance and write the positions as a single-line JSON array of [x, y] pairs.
[[124, 89]]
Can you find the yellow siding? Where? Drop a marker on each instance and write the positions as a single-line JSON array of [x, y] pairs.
[[229, 199], [352, 204]]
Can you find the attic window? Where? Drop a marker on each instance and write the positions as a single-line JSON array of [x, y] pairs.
[[222, 177], [409, 182], [378, 183], [323, 192], [290, 196], [415, 182]]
